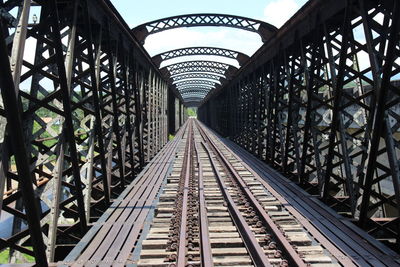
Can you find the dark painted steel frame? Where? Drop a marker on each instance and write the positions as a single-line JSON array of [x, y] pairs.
[[308, 107], [110, 101], [200, 51], [265, 30]]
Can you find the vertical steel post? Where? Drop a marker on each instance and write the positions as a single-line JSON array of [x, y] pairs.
[[94, 86], [379, 116], [68, 128], [21, 156]]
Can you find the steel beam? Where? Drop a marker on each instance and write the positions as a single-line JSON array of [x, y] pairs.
[[328, 113]]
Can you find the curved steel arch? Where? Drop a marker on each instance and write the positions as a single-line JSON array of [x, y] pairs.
[[200, 51], [198, 66], [199, 95], [195, 87], [264, 29], [193, 97], [198, 63], [196, 82], [196, 69], [194, 90], [205, 76]]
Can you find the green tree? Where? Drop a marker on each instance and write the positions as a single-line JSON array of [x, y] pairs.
[[192, 112]]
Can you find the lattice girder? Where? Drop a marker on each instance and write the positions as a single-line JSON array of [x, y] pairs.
[[194, 90], [196, 82], [200, 51], [209, 87], [91, 107], [195, 76], [198, 66], [265, 30]]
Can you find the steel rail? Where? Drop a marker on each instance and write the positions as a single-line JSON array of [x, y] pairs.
[[256, 252], [293, 257], [145, 187], [205, 245], [319, 237], [186, 173]]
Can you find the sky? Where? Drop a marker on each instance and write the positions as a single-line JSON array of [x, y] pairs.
[[275, 12]]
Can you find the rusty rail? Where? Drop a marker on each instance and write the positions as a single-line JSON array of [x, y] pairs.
[[292, 256], [205, 245]]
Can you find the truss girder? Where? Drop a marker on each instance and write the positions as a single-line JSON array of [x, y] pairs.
[[321, 104], [198, 66], [200, 51], [92, 108], [205, 76], [193, 97], [194, 90], [195, 86], [265, 30], [196, 82], [196, 70], [197, 94]]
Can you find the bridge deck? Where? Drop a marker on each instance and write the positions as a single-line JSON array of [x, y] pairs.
[[140, 226]]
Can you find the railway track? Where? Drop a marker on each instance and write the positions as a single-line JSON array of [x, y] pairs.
[[213, 211], [203, 201]]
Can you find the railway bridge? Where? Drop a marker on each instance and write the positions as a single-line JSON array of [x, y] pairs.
[[293, 159]]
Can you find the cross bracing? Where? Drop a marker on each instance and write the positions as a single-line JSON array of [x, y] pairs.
[[319, 102]]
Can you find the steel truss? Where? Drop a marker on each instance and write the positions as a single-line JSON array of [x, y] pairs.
[[198, 66], [194, 68], [193, 95], [262, 28], [194, 89], [79, 118], [192, 76], [196, 82], [320, 104], [200, 51], [194, 86]]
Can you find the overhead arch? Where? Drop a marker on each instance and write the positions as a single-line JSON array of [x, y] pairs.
[[264, 29], [195, 87], [200, 51], [205, 76], [194, 94], [194, 90], [197, 82], [196, 99], [198, 66]]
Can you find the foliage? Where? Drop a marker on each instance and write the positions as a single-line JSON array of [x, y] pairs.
[[192, 112], [4, 255]]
